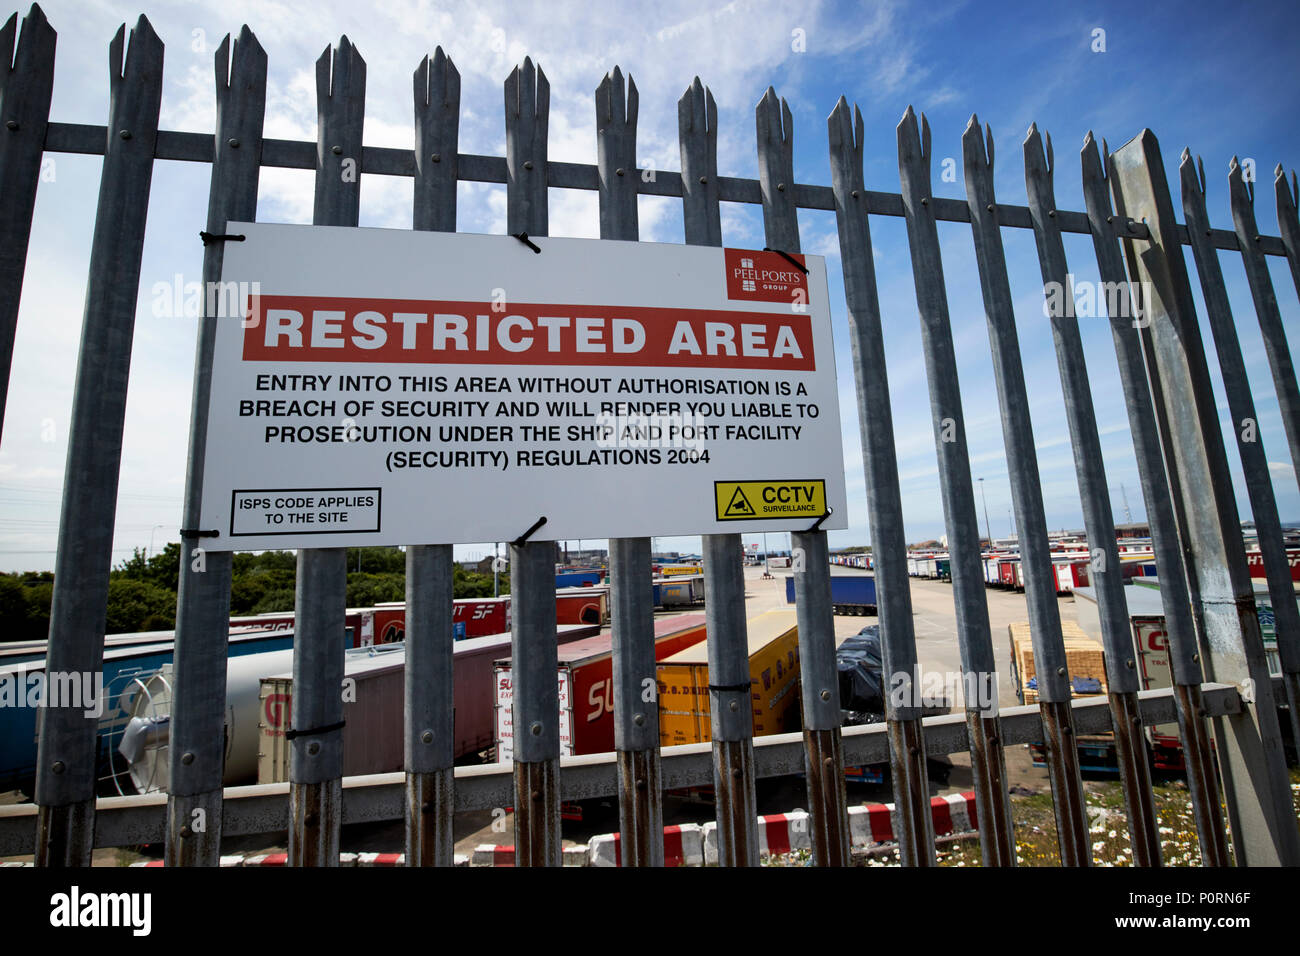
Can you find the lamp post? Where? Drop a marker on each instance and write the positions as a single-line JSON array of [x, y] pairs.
[[988, 528]]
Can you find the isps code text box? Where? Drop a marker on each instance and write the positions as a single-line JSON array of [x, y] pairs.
[[274, 511]]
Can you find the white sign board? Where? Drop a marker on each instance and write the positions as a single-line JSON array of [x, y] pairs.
[[378, 386]]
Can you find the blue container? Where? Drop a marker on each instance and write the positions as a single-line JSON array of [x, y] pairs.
[[576, 579], [850, 593], [122, 665]]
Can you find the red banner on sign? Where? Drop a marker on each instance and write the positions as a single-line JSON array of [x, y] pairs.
[[284, 328]]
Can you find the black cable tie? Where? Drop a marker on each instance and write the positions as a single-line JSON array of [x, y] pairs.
[[788, 258], [210, 237], [731, 688], [313, 731], [195, 533], [523, 237], [523, 538], [818, 523]]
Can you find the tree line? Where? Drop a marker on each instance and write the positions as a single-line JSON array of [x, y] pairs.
[[142, 589]]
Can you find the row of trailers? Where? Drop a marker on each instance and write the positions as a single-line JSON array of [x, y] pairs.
[[673, 585], [481, 628], [1004, 570]]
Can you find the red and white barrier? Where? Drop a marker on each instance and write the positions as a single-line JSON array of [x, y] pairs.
[[683, 846], [687, 845]]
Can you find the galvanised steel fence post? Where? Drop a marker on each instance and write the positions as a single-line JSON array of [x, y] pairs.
[[534, 654], [198, 719], [631, 594], [1054, 689], [1104, 566], [1249, 743], [68, 749], [1181, 619], [316, 751], [823, 754], [429, 718]]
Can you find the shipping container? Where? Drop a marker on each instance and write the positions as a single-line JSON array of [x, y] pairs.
[[1070, 574], [585, 578], [850, 593], [382, 709], [480, 617], [1008, 569], [991, 572], [679, 591], [1255, 561], [684, 714], [586, 687], [359, 622], [582, 605], [373, 694], [1151, 641]]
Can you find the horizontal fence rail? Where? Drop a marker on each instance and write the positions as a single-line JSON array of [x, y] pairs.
[[1195, 526], [88, 140], [264, 809]]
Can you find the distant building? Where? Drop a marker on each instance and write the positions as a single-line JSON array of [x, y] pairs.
[[479, 566], [1138, 529]]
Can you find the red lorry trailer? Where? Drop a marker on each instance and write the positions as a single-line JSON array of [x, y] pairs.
[[360, 623], [373, 733], [583, 605], [386, 623], [586, 670]]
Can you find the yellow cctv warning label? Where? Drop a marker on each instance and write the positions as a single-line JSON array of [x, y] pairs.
[[765, 500]]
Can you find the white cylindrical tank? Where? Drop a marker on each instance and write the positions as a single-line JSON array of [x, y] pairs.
[[151, 713]]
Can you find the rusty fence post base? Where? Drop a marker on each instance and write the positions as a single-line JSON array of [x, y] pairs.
[[1135, 778], [827, 803], [537, 814], [1202, 781], [193, 829], [640, 812], [429, 814], [1061, 753], [314, 816], [65, 835], [914, 828], [737, 810], [992, 797]]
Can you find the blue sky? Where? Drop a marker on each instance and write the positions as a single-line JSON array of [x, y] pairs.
[[1221, 80]]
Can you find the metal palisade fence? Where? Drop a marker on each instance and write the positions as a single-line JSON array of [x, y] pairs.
[[1223, 698]]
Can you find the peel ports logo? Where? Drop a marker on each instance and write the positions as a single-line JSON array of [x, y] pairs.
[[765, 277]]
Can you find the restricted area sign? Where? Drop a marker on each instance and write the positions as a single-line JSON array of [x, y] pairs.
[[375, 386]]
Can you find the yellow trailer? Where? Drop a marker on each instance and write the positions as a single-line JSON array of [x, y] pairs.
[[774, 683]]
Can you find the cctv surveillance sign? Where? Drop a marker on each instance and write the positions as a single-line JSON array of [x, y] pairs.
[[376, 386]]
